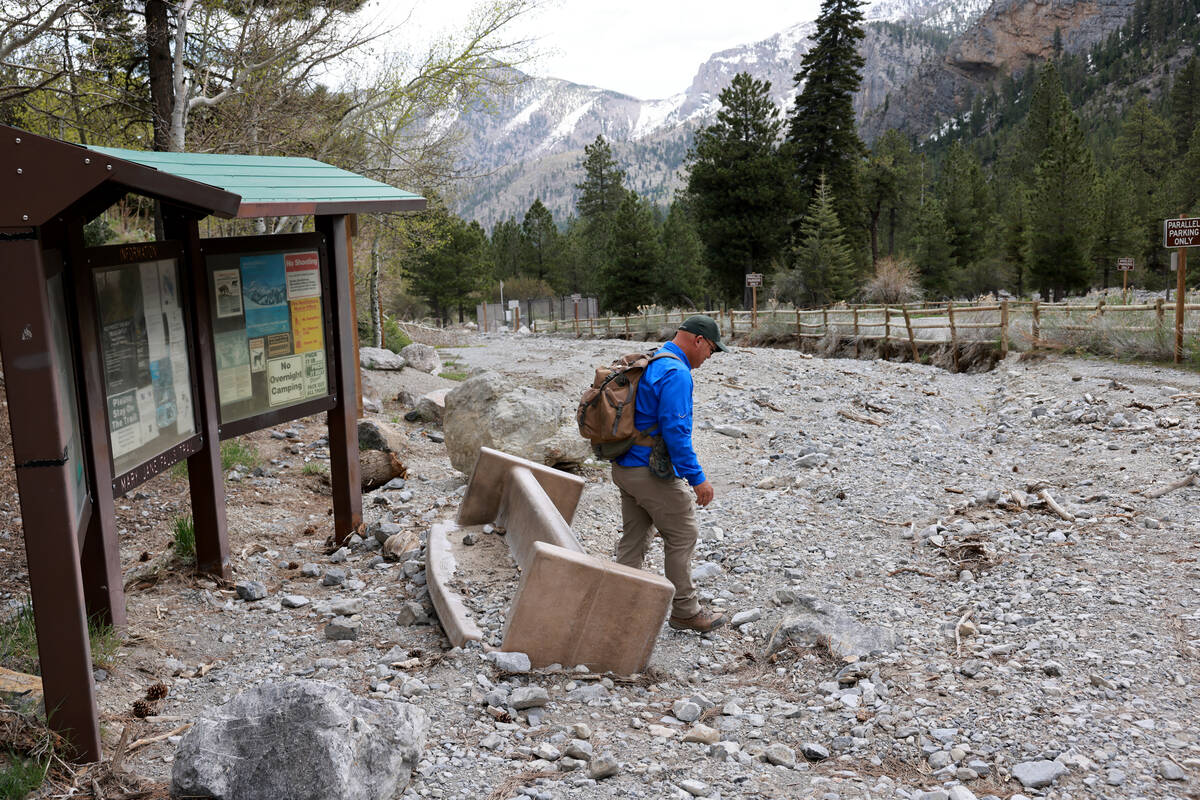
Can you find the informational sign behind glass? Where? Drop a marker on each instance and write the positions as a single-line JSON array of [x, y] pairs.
[[69, 411], [269, 331], [143, 348]]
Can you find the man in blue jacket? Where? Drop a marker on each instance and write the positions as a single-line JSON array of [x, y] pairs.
[[664, 410]]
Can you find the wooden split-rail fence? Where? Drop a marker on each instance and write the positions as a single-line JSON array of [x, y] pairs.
[[1029, 323]]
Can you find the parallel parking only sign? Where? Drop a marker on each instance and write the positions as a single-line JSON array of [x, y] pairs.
[[1181, 232]]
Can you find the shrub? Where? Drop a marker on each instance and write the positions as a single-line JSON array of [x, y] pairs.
[[18, 639], [394, 337], [895, 281]]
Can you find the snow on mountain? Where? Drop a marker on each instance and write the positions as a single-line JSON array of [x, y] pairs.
[[530, 142]]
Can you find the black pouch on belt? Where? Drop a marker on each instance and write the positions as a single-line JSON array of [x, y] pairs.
[[660, 460]]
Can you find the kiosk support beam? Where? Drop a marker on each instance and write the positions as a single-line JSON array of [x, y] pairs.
[[43, 475], [344, 470], [100, 559], [205, 477]]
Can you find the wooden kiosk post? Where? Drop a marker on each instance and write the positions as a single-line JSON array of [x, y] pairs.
[[124, 360]]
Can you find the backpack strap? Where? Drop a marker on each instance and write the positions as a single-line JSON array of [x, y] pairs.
[[646, 437]]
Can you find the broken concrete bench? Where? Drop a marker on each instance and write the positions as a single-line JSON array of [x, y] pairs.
[[570, 607]]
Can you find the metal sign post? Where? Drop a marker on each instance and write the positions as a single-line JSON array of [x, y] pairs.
[[753, 281], [1124, 265], [1181, 233], [575, 298]]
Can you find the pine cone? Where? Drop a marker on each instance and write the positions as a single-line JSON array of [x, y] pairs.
[[157, 692], [141, 708]]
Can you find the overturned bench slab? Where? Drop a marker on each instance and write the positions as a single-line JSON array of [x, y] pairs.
[[570, 607]]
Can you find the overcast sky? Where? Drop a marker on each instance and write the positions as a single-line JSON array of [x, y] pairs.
[[646, 48]]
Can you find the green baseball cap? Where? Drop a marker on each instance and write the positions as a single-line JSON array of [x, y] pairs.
[[706, 327]]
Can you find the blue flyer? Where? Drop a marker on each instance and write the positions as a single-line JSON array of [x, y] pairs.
[[264, 292]]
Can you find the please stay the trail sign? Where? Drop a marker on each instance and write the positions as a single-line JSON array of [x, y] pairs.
[[1181, 232]]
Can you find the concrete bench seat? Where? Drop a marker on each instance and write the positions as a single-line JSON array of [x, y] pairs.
[[570, 607]]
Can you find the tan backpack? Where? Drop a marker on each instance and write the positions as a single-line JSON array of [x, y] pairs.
[[606, 411]]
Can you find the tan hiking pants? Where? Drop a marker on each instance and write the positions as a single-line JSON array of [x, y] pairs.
[[647, 503]]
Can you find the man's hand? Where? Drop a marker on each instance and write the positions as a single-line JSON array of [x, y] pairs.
[[704, 493]]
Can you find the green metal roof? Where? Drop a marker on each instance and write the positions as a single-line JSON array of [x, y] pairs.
[[273, 186]]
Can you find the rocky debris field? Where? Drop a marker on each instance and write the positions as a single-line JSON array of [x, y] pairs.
[[1023, 589]]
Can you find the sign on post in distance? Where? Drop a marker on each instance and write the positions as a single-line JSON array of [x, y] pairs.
[[1181, 232], [1124, 264], [753, 279]]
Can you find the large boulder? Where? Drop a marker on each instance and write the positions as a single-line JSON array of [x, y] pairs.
[[488, 411], [422, 357], [378, 358], [816, 623], [304, 740], [432, 406]]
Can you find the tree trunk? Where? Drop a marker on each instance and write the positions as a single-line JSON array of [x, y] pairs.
[[376, 308], [158, 54]]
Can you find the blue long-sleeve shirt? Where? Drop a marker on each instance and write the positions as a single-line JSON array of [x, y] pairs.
[[664, 396]]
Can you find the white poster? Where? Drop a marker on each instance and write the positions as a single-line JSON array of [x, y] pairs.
[[147, 416], [233, 366], [183, 391], [315, 383], [227, 285], [152, 308], [285, 380], [168, 294]]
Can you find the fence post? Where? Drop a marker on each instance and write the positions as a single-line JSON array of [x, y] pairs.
[[592, 327], [1100, 306], [1158, 311], [887, 325], [1037, 323], [732, 324], [912, 342], [799, 330], [953, 335], [856, 331], [1004, 328], [626, 326]]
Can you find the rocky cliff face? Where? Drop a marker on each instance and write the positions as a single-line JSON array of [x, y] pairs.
[[1007, 38], [530, 143]]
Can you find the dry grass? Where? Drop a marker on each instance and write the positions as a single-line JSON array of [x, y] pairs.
[[510, 786]]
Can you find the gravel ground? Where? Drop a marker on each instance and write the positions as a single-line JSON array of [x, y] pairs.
[[1046, 608]]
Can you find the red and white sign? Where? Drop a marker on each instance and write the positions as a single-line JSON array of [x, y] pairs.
[[1124, 264], [1181, 232], [303, 275], [753, 279]]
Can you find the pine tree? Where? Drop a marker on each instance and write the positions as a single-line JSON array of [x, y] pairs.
[[602, 190], [888, 185], [1186, 194], [631, 276], [1143, 153], [600, 196], [450, 266], [1114, 234], [1048, 104], [737, 185], [822, 269], [932, 244], [1062, 213], [1183, 103], [506, 249], [822, 139], [684, 274], [966, 205], [539, 240]]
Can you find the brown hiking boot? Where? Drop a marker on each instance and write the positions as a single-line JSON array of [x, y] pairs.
[[703, 622]]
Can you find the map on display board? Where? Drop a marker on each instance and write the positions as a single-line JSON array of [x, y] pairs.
[[144, 354], [269, 330]]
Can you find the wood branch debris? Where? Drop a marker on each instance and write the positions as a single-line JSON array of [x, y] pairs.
[[850, 415], [1154, 494], [1055, 507]]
